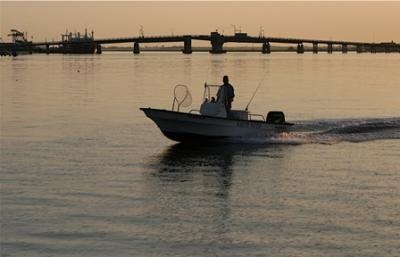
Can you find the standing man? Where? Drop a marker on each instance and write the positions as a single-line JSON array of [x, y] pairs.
[[225, 94]]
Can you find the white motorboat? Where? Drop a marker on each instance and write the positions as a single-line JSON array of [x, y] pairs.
[[211, 122]]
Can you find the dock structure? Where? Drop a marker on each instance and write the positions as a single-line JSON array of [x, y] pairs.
[[19, 44], [88, 44]]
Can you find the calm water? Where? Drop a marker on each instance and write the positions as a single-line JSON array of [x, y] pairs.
[[84, 173]]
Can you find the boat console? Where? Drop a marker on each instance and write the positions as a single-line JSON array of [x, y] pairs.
[[213, 109]]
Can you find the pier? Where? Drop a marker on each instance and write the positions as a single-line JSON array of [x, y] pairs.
[[88, 44]]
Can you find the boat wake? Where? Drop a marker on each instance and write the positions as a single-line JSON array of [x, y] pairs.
[[334, 131]]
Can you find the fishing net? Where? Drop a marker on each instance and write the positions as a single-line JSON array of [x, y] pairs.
[[182, 96]]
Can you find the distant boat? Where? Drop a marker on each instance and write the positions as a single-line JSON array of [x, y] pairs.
[[211, 123]]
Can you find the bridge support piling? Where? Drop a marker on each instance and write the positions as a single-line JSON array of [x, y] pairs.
[[217, 42], [330, 48], [344, 48], [47, 49], [30, 49], [300, 48], [217, 48], [98, 49], [373, 49], [136, 48], [187, 44], [315, 48], [266, 48]]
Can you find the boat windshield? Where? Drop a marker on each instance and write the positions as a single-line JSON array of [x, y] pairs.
[[210, 92]]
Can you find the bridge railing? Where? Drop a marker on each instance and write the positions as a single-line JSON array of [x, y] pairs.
[[147, 37]]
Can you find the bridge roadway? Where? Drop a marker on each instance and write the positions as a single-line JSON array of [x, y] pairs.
[[218, 40], [227, 39]]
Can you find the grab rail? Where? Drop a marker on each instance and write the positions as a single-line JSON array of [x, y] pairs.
[[256, 115], [194, 110]]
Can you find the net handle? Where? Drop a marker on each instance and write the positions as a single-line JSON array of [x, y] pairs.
[[176, 99]]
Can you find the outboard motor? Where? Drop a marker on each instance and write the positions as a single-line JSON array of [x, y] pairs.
[[276, 117]]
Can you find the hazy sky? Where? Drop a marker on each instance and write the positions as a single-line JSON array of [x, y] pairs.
[[358, 21]]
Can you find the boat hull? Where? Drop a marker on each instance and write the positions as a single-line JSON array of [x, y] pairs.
[[190, 128]]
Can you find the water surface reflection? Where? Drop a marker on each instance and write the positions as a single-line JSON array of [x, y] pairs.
[[213, 165], [204, 192]]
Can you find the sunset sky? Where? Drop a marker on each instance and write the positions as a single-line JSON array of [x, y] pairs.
[[358, 21]]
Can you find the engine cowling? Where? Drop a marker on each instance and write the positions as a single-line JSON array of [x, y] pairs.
[[276, 117]]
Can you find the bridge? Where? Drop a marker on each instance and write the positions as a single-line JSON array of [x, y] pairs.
[[217, 40]]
